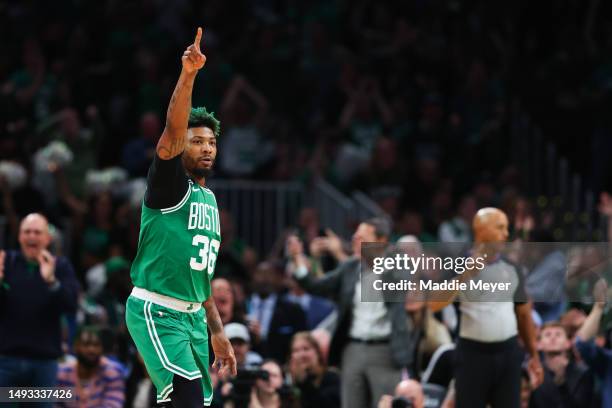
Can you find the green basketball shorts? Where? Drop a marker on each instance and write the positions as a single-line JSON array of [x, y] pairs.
[[171, 342]]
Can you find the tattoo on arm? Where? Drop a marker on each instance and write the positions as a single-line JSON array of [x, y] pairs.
[[173, 140], [212, 316], [167, 149]]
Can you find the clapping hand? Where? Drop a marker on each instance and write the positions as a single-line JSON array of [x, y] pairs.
[[47, 266]]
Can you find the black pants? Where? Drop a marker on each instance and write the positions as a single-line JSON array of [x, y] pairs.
[[488, 373], [186, 394]]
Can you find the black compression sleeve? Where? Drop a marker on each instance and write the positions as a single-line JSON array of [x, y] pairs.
[[187, 393], [167, 183]]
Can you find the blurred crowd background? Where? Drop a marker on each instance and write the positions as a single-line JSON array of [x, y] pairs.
[[418, 104]]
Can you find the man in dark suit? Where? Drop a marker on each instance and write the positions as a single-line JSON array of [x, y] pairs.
[[273, 320], [36, 290], [372, 341]]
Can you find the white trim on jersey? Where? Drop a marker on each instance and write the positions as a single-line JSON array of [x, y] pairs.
[[180, 204]]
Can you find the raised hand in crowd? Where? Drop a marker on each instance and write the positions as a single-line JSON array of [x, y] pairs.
[[330, 243], [47, 266]]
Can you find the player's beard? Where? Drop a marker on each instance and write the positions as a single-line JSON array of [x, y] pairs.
[[199, 172], [191, 166]]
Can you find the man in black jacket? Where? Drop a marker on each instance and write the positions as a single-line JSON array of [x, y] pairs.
[[566, 383], [36, 289], [372, 341], [273, 320]]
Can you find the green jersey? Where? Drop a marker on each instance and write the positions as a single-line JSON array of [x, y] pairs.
[[178, 245]]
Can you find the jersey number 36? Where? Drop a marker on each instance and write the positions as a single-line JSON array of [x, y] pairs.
[[208, 250]]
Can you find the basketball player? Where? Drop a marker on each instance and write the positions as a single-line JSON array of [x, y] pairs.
[[177, 250]]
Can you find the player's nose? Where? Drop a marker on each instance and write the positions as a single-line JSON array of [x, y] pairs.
[[207, 148]]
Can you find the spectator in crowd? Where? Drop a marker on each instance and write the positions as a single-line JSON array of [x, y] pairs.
[[586, 264], [243, 149], [522, 219], [222, 293], [238, 335], [17, 200], [546, 279], [384, 172], [365, 113], [434, 333], [272, 319], [116, 291], [572, 321], [97, 381], [319, 386], [316, 308], [408, 393], [371, 342], [458, 228], [36, 290], [138, 153], [566, 383], [84, 144], [270, 393], [326, 251], [597, 358], [234, 252], [101, 236], [308, 224], [488, 356], [411, 223], [323, 339]]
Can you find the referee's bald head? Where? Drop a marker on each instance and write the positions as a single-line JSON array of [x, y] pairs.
[[490, 224]]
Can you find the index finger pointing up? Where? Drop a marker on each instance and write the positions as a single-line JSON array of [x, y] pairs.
[[198, 38]]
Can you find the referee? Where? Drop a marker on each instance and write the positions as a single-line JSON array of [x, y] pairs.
[[488, 357]]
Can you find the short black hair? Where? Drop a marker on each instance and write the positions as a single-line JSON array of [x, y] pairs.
[[200, 117], [382, 226]]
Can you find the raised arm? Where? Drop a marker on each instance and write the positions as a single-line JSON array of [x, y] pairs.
[[327, 285], [590, 327], [173, 139]]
